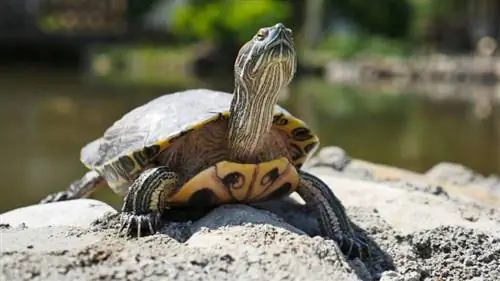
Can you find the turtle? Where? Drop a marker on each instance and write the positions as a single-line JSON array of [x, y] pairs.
[[201, 148]]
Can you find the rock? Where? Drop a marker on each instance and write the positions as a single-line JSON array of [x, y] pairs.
[[331, 156], [412, 276], [403, 208], [445, 249], [78, 213], [446, 173], [47, 239], [236, 214], [445, 179], [391, 276], [285, 255], [224, 246], [414, 235], [461, 175], [453, 173]]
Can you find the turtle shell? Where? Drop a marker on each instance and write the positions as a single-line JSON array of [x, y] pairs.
[[133, 141]]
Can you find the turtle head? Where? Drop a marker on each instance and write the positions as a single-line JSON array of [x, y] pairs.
[[267, 62]]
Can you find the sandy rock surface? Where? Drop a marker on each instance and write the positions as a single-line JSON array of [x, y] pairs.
[[417, 230], [80, 213]]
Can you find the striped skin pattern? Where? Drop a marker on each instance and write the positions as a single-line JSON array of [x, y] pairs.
[[238, 148]]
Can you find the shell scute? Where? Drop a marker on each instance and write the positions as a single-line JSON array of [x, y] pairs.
[[134, 141]]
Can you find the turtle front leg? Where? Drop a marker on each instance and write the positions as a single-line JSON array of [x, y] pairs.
[[332, 217], [81, 188], [144, 203]]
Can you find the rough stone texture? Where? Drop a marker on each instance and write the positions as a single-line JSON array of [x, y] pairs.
[[418, 232], [226, 250], [461, 175], [333, 157], [456, 253], [61, 213], [402, 207], [453, 181]]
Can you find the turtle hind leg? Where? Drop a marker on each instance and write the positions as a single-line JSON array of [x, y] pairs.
[[144, 202], [333, 220], [81, 188]]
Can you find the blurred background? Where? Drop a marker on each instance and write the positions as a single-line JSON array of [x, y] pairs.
[[409, 83]]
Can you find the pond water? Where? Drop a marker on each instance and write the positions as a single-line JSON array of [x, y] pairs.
[[46, 117]]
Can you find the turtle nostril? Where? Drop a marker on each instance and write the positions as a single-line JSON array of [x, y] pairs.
[[280, 25]]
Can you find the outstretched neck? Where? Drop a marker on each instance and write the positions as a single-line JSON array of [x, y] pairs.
[[250, 121]]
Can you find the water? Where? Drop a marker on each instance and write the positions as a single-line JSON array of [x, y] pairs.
[[45, 118]]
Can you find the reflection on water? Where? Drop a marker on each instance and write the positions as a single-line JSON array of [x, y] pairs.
[[46, 118]]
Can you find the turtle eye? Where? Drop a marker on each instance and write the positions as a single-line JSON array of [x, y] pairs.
[[262, 34]]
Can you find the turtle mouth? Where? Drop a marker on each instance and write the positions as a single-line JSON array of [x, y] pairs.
[[280, 52]]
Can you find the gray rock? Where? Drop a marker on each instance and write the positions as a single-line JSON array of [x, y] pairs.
[[446, 252], [461, 175], [402, 208], [445, 179], [423, 236], [331, 156], [412, 276], [77, 213], [47, 239], [230, 215], [224, 247], [391, 276], [452, 172]]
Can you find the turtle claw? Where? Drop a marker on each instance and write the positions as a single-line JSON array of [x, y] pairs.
[[355, 247], [56, 197], [131, 224]]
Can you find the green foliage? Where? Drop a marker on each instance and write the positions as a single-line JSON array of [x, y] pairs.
[[347, 46], [422, 13], [228, 20], [427, 10], [446, 8], [339, 101], [142, 65]]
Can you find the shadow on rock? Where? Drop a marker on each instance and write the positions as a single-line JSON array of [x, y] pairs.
[[303, 218], [254, 224]]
